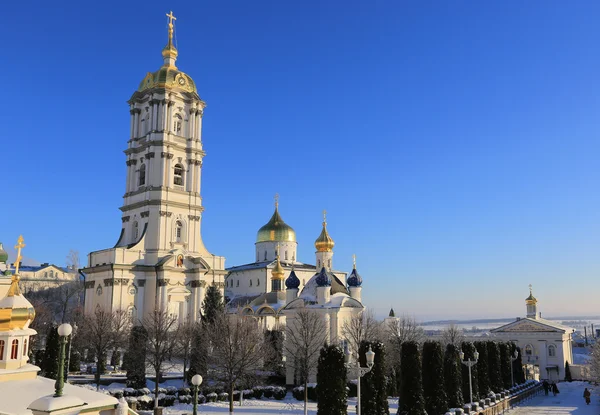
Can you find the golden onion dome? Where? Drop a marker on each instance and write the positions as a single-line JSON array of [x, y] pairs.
[[531, 299], [16, 312], [324, 242], [278, 270], [276, 230]]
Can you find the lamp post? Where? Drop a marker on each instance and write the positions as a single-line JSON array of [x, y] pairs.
[[470, 363], [69, 352], [196, 382], [512, 360], [64, 330], [360, 371]]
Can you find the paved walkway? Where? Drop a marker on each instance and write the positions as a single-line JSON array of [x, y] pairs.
[[568, 402]]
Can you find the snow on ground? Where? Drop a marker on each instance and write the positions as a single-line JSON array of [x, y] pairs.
[[581, 355], [263, 406], [568, 402]]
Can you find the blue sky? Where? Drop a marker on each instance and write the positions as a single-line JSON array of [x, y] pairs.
[[454, 144]]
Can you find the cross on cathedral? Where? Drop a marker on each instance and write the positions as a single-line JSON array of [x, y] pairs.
[[354, 260], [276, 200], [530, 288], [324, 216], [171, 18], [20, 245]]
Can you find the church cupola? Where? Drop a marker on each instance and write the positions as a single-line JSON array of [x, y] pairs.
[[169, 52], [354, 282], [531, 303], [277, 275], [276, 233], [323, 281], [324, 245], [292, 283]]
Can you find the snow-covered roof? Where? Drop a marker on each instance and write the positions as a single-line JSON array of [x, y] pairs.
[[25, 392], [309, 292], [532, 324]]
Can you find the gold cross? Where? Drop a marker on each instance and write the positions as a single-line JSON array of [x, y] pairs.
[[20, 245], [530, 287], [276, 200], [171, 18], [354, 260], [277, 251], [324, 215]]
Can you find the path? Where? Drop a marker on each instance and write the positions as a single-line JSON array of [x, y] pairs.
[[568, 402]]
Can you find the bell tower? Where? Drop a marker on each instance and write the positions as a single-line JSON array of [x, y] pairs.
[[160, 259]]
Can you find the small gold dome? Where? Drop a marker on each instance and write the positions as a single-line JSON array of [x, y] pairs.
[[531, 300], [276, 230], [324, 242], [278, 271], [16, 312]]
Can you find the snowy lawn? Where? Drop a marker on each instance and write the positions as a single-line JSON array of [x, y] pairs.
[[568, 402]]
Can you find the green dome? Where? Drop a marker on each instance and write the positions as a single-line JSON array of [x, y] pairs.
[[3, 254], [276, 230]]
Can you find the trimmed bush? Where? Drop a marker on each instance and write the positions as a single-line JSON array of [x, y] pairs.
[[212, 397], [223, 397], [331, 377], [434, 395], [257, 392], [279, 393], [268, 392]]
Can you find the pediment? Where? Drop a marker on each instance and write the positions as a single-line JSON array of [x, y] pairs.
[[527, 326]]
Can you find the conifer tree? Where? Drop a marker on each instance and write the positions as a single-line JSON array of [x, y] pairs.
[[468, 348], [483, 383], [75, 361], [434, 394], [199, 354], [453, 377], [494, 366], [568, 376], [331, 382], [505, 364], [373, 384], [213, 305], [50, 361], [411, 400], [134, 361]]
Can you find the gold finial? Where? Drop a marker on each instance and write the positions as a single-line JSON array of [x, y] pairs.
[[324, 216], [20, 245], [354, 261], [170, 52], [276, 200], [530, 289], [171, 18]]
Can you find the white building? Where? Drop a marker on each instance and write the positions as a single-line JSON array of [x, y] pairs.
[[545, 345], [159, 259], [257, 289]]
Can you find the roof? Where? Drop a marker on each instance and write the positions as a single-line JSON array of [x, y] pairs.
[[309, 292], [36, 268], [532, 325], [26, 392], [298, 266], [276, 230]]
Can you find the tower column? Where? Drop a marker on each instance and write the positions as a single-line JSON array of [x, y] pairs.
[[154, 125], [136, 123], [192, 124], [132, 123]]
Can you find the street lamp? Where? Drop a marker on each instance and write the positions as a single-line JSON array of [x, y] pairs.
[[360, 371], [469, 363], [64, 330], [196, 382], [512, 359], [69, 352]]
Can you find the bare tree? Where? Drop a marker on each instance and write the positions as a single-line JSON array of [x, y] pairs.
[[306, 334], [398, 331], [237, 349], [594, 362], [361, 327], [453, 335], [188, 332], [102, 331], [162, 335]]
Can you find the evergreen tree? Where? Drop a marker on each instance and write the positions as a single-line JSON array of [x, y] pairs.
[[213, 305], [331, 382], [115, 358], [468, 349], [75, 361], [434, 394], [483, 383], [392, 382], [134, 361], [494, 366], [568, 376], [411, 401], [518, 372], [199, 354], [453, 377], [505, 364], [373, 389], [50, 361]]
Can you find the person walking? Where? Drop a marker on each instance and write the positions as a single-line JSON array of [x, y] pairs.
[[546, 387], [555, 390], [587, 395]]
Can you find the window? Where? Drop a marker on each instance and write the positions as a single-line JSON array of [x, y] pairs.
[[286, 255], [24, 347], [329, 263], [1, 349], [178, 231], [528, 350], [258, 282], [250, 283], [135, 231], [551, 351], [51, 274], [178, 178], [237, 283], [177, 124], [14, 352], [318, 265], [265, 255], [142, 176], [45, 274]]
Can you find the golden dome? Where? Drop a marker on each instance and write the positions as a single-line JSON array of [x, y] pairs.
[[531, 300], [324, 242], [16, 312], [278, 271], [276, 230]]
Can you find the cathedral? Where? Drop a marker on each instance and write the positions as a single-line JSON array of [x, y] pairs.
[[159, 257]]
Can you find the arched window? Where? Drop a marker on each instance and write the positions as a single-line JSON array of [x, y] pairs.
[[265, 255], [551, 351], [51, 274], [142, 175], [14, 352], [329, 263], [293, 256], [528, 350], [136, 231], [318, 265], [178, 177], [178, 231], [286, 255], [258, 282], [237, 283], [1, 349], [177, 124], [25, 347], [250, 283], [46, 274]]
